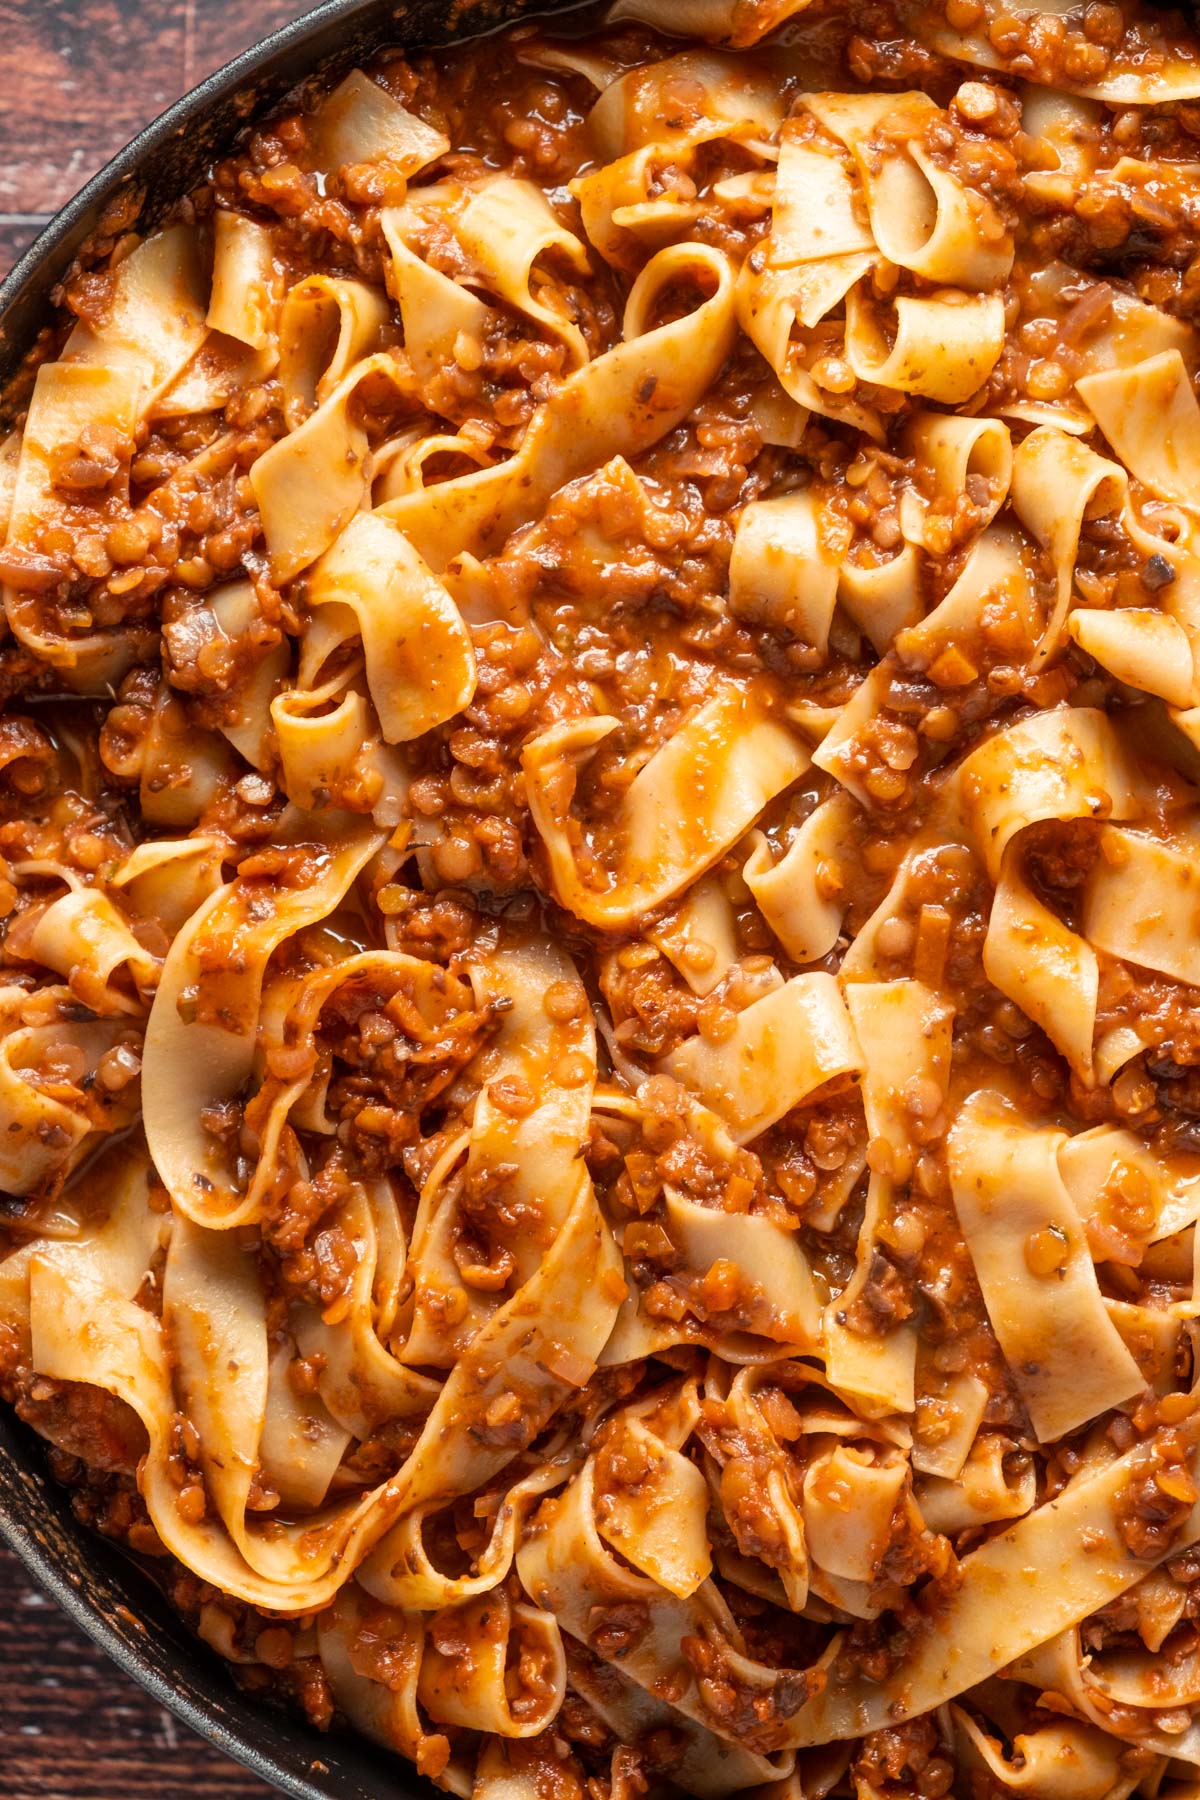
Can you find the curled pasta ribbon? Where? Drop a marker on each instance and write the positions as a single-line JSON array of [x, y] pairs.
[[832, 1488], [996, 587], [950, 450], [67, 398], [86, 1327], [420, 666], [1139, 902], [777, 1297], [386, 1712], [781, 573], [726, 96], [360, 122], [83, 938], [203, 1024], [792, 894], [416, 1581], [51, 1114], [512, 236], [644, 192], [310, 484], [686, 806], [244, 304], [331, 752], [362, 1384], [499, 1663], [904, 1029], [326, 326], [156, 320], [1044, 1758], [1066, 764], [711, 1766], [168, 879], [622, 402], [921, 216], [1066, 1356], [699, 938], [527, 1159], [246, 722], [773, 302], [782, 1048], [567, 1566], [241, 345], [943, 347], [982, 1491], [1122, 1691], [434, 311], [1057, 483], [1004, 1606], [1150, 415]]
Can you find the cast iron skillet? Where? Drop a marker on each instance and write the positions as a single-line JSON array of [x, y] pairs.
[[102, 1589]]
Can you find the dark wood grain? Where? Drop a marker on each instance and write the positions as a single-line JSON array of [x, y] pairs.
[[72, 1727], [78, 78]]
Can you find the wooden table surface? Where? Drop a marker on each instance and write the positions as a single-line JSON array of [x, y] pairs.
[[77, 80]]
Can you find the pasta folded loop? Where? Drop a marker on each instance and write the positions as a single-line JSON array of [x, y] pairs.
[[420, 665], [954, 456], [326, 326], [69, 399], [621, 402], [156, 319], [83, 938], [693, 799], [658, 1519], [525, 1159], [1058, 1758], [985, 1490], [1149, 413], [244, 302], [800, 896], [688, 99], [437, 314], [474, 1689], [1058, 483], [1033, 1263], [782, 574], [513, 237], [167, 879], [1122, 1692], [1066, 764], [783, 1048], [1018, 1590], [203, 1024], [1140, 903], [922, 217], [310, 484], [942, 346], [52, 1109], [904, 1028], [566, 1567]]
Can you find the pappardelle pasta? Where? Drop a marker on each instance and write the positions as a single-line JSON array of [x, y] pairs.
[[599, 1036]]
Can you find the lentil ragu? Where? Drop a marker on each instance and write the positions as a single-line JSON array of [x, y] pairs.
[[598, 1037]]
